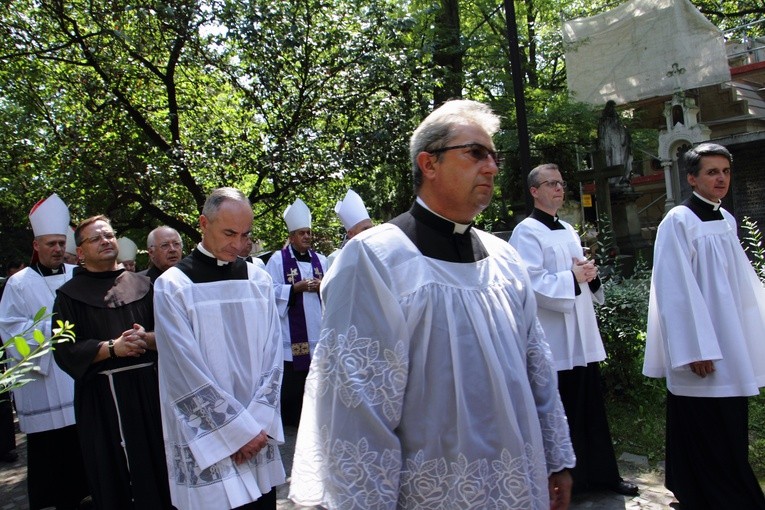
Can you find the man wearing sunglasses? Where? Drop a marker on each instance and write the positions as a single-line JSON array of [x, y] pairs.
[[431, 386], [565, 285]]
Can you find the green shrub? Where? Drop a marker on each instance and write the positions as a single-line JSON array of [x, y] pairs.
[[752, 242], [622, 322]]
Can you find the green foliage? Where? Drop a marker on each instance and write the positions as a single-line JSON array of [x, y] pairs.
[[622, 322], [606, 253], [138, 109], [757, 435], [752, 243], [637, 424], [22, 369]]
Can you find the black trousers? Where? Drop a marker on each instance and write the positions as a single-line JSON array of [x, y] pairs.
[[7, 427], [293, 386], [582, 396], [265, 502], [708, 454], [55, 471]]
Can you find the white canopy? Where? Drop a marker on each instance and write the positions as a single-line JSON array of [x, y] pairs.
[[643, 49]]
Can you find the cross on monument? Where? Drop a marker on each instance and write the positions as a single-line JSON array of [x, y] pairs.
[[675, 72]]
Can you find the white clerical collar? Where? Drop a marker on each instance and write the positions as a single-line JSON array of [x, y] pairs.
[[715, 205], [206, 252], [459, 228]]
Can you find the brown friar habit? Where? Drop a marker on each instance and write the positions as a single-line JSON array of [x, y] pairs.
[[116, 400]]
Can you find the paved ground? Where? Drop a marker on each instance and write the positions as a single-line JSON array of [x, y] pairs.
[[653, 496]]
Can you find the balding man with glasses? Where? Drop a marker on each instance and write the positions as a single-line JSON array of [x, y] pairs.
[[566, 284], [165, 249]]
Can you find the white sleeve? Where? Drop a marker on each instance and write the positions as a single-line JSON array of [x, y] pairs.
[[354, 395], [681, 310], [543, 379], [274, 267], [554, 289], [16, 318]]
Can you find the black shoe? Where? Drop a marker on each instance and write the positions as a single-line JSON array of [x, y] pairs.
[[625, 488], [9, 457]]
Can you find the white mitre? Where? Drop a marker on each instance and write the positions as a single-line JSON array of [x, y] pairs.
[[297, 216], [71, 246], [49, 216], [127, 249], [351, 210]]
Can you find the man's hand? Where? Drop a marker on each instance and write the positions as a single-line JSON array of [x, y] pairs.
[[584, 270], [559, 485], [131, 342], [251, 448], [308, 285], [147, 336], [702, 368]]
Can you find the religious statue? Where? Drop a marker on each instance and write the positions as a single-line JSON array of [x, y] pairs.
[[614, 139]]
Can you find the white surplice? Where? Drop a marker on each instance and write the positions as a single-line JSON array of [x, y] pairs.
[[220, 367], [46, 403], [568, 320], [432, 385], [706, 303], [311, 301]]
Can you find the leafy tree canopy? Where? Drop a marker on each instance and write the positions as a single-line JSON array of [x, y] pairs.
[[137, 109]]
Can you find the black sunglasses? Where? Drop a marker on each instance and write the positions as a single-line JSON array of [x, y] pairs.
[[477, 151]]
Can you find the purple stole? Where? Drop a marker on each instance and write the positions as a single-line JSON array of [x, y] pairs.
[[301, 353]]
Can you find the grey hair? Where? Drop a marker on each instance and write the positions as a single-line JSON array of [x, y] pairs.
[[691, 160], [436, 130], [220, 195], [153, 233], [533, 179]]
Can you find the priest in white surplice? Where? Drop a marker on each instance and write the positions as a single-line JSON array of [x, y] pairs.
[[55, 472], [706, 319], [432, 385], [220, 368], [565, 285], [297, 271]]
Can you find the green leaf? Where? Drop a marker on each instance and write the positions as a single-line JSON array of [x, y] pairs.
[[38, 336], [21, 345], [40, 314]]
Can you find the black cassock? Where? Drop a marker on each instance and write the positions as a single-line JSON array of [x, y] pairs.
[[114, 399]]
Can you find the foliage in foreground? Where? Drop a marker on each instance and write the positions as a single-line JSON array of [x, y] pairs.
[[23, 370]]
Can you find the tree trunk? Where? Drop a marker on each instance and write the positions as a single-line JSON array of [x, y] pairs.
[[447, 53]]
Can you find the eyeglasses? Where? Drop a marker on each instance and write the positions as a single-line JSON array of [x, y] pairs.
[[553, 184], [109, 236], [167, 246], [477, 151]]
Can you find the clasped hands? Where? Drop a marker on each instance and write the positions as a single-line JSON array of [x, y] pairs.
[[308, 285], [584, 270], [251, 448], [132, 342]]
